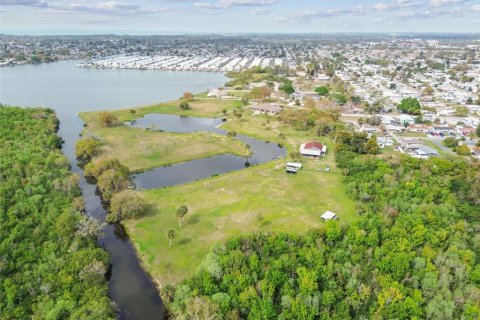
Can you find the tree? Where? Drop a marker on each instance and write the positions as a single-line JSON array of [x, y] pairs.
[[110, 182], [266, 92], [341, 99], [187, 96], [231, 134], [261, 93], [463, 150], [171, 234], [450, 142], [86, 148], [181, 213], [461, 111], [184, 105], [107, 119], [323, 90], [428, 90], [238, 112], [287, 88], [478, 130], [409, 105], [125, 205], [295, 155], [356, 100], [372, 145]]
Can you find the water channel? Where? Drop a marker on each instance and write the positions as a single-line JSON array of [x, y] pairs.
[[262, 151]]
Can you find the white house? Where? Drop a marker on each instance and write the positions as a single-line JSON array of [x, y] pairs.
[[384, 142], [313, 149]]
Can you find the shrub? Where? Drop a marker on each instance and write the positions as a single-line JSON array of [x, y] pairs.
[[124, 205], [463, 150], [107, 119], [323, 91], [450, 142], [187, 95], [86, 148], [184, 105]]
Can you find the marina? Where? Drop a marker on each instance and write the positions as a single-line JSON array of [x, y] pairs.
[[178, 63]]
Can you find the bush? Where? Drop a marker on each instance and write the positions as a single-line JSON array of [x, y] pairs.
[[187, 96], [450, 142], [409, 105], [96, 168], [111, 181], [124, 205], [184, 105], [107, 119], [463, 150], [323, 91], [86, 148]]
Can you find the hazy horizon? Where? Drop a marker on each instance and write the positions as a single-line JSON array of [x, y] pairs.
[[149, 17]]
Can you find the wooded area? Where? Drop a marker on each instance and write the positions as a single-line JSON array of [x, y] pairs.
[[50, 265], [413, 254]]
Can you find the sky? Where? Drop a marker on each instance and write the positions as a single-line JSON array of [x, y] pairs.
[[39, 17]]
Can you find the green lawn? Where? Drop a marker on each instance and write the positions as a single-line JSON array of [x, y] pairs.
[[200, 107], [139, 149], [228, 205], [225, 205]]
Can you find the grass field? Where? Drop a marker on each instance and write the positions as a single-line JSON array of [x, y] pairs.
[[259, 198], [140, 149], [229, 205], [200, 107]]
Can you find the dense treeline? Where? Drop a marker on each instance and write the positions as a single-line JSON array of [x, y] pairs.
[[413, 254], [50, 265]]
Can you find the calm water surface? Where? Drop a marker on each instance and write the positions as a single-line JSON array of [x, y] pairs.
[[262, 151], [70, 90]]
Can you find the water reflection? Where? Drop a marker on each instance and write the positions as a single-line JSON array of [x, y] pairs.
[[262, 151]]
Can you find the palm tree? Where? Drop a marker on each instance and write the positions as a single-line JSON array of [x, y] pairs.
[[249, 154], [181, 213], [170, 235]]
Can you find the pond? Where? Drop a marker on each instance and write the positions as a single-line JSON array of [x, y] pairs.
[[262, 151]]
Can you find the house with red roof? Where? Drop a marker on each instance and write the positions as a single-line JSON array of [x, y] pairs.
[[313, 149]]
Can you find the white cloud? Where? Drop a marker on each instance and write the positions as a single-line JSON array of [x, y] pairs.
[[30, 3], [225, 4], [105, 8], [260, 12], [381, 6], [475, 8], [439, 3]]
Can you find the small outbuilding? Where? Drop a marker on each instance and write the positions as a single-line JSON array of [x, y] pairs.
[[292, 167], [329, 215]]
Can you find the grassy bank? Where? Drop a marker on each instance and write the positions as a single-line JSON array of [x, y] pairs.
[[260, 198], [200, 107], [139, 149]]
